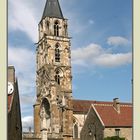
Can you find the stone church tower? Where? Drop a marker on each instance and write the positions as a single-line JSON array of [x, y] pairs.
[[53, 114]]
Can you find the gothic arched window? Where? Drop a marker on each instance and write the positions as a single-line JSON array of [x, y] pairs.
[[57, 53], [57, 77], [65, 29], [46, 105], [48, 26], [56, 28], [75, 131]]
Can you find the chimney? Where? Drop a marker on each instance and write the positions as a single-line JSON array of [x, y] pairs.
[[11, 74], [116, 104]]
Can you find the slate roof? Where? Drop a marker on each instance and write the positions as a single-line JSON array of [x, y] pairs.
[[52, 9], [109, 116]]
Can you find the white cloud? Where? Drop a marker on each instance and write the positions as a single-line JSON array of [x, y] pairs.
[[21, 18], [27, 122], [24, 62], [95, 55], [91, 50], [117, 41], [25, 15], [113, 60], [22, 58]]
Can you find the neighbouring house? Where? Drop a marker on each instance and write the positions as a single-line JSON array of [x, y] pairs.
[[106, 119], [14, 114]]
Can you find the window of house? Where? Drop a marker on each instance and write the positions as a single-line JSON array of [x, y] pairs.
[[56, 28], [75, 131], [57, 53], [57, 77], [117, 131]]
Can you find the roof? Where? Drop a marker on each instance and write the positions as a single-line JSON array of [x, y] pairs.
[[110, 117], [106, 111], [84, 105], [52, 9]]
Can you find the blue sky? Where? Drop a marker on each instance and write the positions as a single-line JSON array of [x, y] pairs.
[[101, 48]]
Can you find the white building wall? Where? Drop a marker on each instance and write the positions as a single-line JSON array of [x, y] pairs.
[[80, 120]]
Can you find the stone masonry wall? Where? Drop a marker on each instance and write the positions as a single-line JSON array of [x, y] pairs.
[[124, 132]]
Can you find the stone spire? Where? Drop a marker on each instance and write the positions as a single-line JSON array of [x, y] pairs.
[[52, 9]]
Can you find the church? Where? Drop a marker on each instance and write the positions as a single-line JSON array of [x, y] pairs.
[[57, 116]]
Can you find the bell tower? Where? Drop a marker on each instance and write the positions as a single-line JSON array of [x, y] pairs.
[[53, 115]]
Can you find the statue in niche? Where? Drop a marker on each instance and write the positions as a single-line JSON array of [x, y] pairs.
[[43, 116]]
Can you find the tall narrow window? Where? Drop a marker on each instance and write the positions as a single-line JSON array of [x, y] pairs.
[[56, 28], [117, 132], [76, 131], [65, 29], [57, 77], [48, 26], [57, 53]]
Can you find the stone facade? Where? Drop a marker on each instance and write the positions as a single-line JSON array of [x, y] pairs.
[[92, 128], [14, 114], [53, 114], [123, 132]]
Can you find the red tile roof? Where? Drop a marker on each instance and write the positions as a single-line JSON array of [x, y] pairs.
[[106, 111], [111, 117], [10, 99], [82, 105]]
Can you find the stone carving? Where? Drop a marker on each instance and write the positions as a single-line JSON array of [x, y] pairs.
[[43, 112]]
